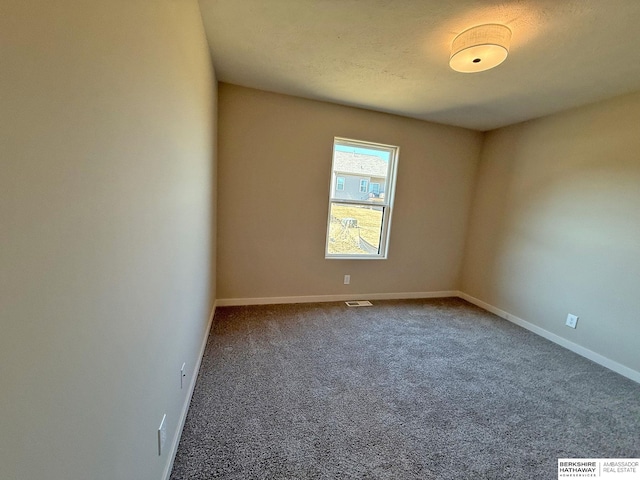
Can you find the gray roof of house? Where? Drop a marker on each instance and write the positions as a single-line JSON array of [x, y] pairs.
[[359, 164]]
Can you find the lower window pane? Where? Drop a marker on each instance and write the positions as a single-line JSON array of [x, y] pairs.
[[355, 229]]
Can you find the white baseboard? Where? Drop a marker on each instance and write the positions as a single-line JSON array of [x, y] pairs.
[[187, 401], [234, 302], [563, 342]]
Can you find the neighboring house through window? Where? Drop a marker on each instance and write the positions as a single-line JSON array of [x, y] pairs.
[[360, 199]]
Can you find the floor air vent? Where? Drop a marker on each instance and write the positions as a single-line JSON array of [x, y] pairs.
[[359, 303]]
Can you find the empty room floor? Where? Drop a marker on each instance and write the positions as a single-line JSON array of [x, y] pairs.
[[411, 389]]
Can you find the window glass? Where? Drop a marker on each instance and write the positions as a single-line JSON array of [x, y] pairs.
[[360, 199]]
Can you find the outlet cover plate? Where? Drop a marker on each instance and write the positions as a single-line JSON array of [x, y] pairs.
[[572, 321], [162, 434]]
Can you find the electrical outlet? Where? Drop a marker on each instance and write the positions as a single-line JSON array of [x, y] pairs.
[[162, 434], [183, 374], [572, 321], [347, 279]]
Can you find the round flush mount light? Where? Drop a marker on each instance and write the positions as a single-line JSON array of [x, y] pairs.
[[480, 48]]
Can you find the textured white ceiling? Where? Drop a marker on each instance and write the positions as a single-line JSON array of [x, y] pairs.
[[392, 55]]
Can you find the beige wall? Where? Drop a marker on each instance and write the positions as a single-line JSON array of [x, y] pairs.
[[556, 226], [106, 228], [274, 173]]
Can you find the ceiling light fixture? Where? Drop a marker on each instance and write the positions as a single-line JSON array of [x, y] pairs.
[[480, 48]]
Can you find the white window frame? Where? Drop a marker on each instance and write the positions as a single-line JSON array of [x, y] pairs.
[[364, 184], [338, 178], [386, 203]]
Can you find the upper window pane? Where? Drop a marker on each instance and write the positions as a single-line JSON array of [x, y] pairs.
[[358, 167]]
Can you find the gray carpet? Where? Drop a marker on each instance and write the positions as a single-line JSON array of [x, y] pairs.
[[402, 390]]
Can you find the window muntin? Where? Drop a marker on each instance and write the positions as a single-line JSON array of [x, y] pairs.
[[359, 216], [340, 183]]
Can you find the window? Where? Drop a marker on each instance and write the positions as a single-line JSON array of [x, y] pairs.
[[360, 210]]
